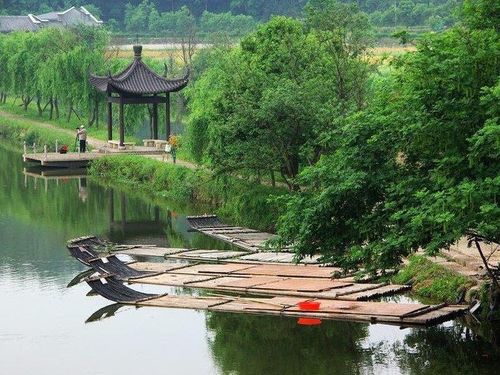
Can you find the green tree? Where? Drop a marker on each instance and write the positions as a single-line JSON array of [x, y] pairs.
[[249, 108], [418, 168]]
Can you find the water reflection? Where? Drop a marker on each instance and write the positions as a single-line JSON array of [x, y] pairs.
[[40, 210], [105, 312], [246, 344]]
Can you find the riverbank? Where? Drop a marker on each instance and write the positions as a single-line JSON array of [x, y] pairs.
[[237, 201]]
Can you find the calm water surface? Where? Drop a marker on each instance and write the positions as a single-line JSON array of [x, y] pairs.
[[48, 328]]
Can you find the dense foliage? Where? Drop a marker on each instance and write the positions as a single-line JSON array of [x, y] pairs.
[[145, 18], [434, 13], [418, 168], [267, 105], [384, 166]]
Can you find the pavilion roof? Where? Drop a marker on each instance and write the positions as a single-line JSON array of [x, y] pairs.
[[138, 79]]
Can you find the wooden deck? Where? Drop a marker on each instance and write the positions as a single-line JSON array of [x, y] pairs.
[[82, 160], [69, 160]]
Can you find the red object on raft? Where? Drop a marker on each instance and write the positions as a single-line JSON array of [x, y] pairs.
[[308, 305]]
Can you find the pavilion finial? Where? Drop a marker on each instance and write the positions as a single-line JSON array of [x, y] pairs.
[[137, 51]]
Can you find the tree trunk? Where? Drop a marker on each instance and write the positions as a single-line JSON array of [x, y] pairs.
[[39, 106], [91, 118], [26, 102], [51, 112], [56, 107], [70, 111], [273, 179], [45, 106]]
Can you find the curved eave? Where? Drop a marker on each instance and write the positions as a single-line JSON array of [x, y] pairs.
[[100, 83], [154, 85]]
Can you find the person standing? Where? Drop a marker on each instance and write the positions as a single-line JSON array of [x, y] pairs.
[[82, 137]]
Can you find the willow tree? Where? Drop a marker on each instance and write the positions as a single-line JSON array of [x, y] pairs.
[[52, 66]]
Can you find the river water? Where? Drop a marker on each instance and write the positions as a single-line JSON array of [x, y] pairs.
[[49, 328]]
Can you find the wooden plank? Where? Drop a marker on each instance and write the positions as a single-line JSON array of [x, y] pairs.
[[347, 290], [278, 257], [171, 279], [302, 285], [151, 251], [208, 255], [232, 231], [377, 292], [155, 267], [249, 282], [253, 236], [374, 312], [184, 302], [289, 270], [220, 269], [437, 316], [341, 313], [364, 308], [213, 284]]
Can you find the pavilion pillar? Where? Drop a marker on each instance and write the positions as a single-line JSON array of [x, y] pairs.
[[122, 125], [167, 117], [155, 121], [110, 121]]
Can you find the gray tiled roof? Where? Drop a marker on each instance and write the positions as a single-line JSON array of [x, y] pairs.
[[138, 79], [18, 23], [70, 17], [52, 16]]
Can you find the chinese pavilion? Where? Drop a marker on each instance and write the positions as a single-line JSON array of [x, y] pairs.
[[138, 84]]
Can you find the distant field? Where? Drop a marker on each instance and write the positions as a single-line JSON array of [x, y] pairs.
[[165, 51], [151, 53]]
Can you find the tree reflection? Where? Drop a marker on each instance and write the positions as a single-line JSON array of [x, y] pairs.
[[247, 344], [443, 349]]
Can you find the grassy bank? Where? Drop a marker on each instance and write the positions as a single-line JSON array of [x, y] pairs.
[[12, 106], [237, 200], [432, 281], [18, 131]]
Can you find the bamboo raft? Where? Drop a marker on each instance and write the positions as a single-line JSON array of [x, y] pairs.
[[245, 238], [373, 312], [284, 287], [252, 243], [259, 279]]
